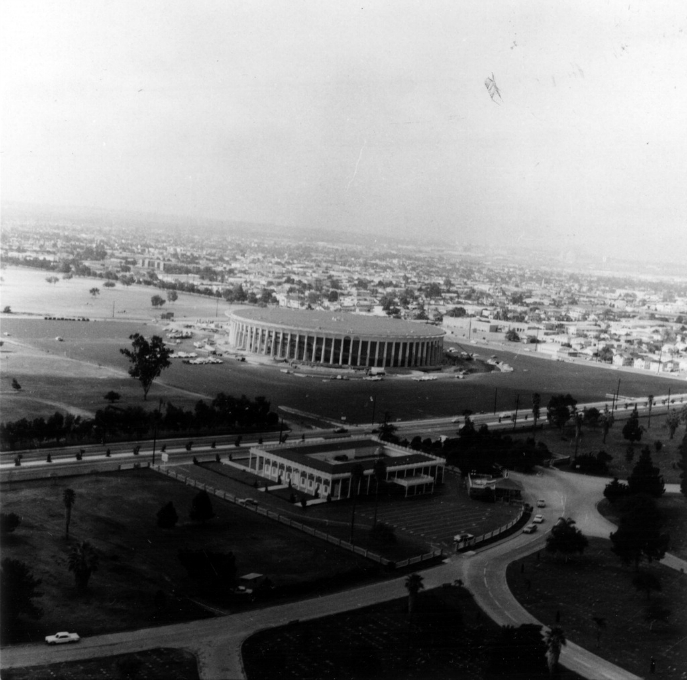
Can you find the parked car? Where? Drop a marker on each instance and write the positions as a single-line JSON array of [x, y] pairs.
[[538, 519], [529, 529], [541, 503], [340, 430], [463, 536], [61, 638], [247, 501]]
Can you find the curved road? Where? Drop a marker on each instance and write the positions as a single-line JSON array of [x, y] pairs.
[[217, 642]]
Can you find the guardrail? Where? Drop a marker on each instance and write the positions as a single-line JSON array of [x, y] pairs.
[[225, 495], [474, 542]]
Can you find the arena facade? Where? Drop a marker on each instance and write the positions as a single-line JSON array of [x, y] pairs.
[[335, 338]]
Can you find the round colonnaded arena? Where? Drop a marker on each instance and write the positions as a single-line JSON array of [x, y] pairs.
[[335, 338]]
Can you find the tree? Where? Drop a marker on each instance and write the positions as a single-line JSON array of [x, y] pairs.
[[83, 561], [645, 582], [512, 335], [606, 354], [615, 490], [201, 508], [8, 522], [7, 310], [672, 422], [607, 420], [172, 296], [68, 498], [566, 538], [18, 590], [157, 301], [413, 585], [167, 516], [112, 396], [632, 430], [148, 359], [536, 410], [683, 465], [559, 409], [52, 279], [639, 534], [379, 474], [15, 384], [645, 477], [357, 474], [554, 639], [94, 292]]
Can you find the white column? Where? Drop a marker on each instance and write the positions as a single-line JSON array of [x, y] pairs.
[[341, 352], [386, 347], [360, 351]]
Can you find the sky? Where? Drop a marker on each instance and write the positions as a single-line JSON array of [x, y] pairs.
[[347, 116]]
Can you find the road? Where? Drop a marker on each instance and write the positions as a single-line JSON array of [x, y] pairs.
[[217, 642]]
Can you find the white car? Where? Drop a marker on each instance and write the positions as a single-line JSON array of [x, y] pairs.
[[529, 529], [463, 536], [538, 519], [61, 638], [457, 419], [541, 503]]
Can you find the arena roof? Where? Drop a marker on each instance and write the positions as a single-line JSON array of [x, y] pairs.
[[342, 323]]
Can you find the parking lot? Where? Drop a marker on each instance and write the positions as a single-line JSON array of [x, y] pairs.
[[437, 519]]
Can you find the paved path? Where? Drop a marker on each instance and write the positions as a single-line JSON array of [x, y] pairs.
[[217, 642]]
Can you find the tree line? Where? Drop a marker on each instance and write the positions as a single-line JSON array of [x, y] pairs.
[[224, 413]]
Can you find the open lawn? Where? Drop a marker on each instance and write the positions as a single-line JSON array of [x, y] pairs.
[[597, 584], [153, 664], [562, 443], [445, 639], [26, 291], [116, 512]]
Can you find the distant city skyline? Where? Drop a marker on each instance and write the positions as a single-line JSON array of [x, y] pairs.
[[505, 122]]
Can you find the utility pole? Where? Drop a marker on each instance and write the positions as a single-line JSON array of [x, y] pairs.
[[157, 419], [515, 418]]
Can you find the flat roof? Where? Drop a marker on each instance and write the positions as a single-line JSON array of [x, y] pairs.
[[306, 455], [341, 323]]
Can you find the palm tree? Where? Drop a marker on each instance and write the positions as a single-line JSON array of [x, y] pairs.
[[536, 406], [68, 498], [83, 561], [554, 639], [413, 585], [379, 473], [356, 475]]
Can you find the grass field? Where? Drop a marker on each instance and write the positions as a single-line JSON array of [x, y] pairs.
[[116, 513], [26, 291], [597, 584], [153, 664], [444, 640], [562, 443]]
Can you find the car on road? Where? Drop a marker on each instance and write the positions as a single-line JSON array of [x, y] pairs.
[[463, 536], [247, 501], [457, 419], [538, 519], [61, 638], [529, 529], [340, 430], [541, 503]]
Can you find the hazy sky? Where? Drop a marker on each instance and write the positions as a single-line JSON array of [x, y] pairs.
[[358, 116]]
